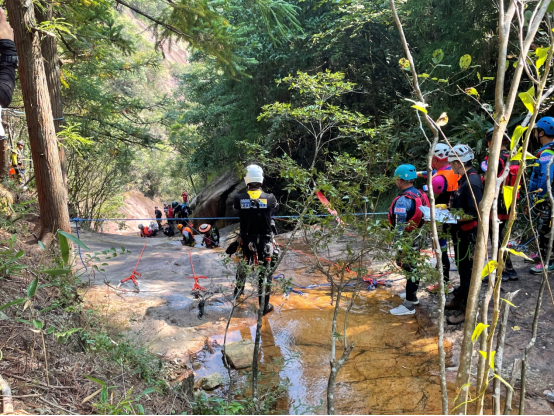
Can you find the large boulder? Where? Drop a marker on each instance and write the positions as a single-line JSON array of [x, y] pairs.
[[216, 200], [240, 353]]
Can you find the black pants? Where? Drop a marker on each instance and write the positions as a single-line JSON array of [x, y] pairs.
[[501, 233], [263, 252], [409, 266], [543, 228], [464, 248], [443, 242], [159, 221]]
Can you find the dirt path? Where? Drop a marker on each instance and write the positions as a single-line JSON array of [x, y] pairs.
[[393, 368]]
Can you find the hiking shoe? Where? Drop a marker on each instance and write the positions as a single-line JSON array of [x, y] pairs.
[[402, 310], [534, 258], [403, 297], [539, 268], [435, 288], [512, 274]]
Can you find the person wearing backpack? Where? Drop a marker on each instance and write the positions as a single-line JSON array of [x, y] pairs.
[[543, 135], [444, 182], [255, 208], [211, 235], [509, 273], [405, 215], [188, 234], [464, 233]]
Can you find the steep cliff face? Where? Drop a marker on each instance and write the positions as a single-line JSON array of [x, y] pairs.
[[216, 200]]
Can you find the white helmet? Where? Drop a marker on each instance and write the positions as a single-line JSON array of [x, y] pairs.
[[254, 174], [461, 152], [140, 226], [441, 151]]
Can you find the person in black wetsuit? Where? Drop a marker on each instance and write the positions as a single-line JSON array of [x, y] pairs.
[[256, 236], [8, 61]]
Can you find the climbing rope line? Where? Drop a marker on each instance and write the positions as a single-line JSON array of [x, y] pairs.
[[134, 275], [77, 228], [196, 286]]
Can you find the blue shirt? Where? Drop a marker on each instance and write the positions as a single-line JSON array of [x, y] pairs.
[[539, 173]]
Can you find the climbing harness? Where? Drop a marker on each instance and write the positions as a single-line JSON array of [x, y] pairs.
[[135, 274]]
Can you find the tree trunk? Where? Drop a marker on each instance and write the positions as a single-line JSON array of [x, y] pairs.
[[53, 70], [52, 196]]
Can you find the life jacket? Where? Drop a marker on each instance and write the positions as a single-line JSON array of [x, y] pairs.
[[450, 177], [170, 212], [416, 221], [190, 238]]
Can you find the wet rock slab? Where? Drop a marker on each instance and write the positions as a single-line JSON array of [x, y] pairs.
[[240, 353]]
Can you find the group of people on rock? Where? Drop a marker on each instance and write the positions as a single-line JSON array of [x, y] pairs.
[[458, 186], [176, 215]]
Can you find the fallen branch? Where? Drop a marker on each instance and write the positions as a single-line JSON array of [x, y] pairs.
[[7, 401], [38, 383], [56, 406]]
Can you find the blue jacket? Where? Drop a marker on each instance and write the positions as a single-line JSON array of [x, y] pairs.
[[539, 173], [404, 209]]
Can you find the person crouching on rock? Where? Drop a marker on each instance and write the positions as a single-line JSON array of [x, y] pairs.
[[256, 236], [188, 235], [211, 235], [168, 230], [406, 216], [145, 231]]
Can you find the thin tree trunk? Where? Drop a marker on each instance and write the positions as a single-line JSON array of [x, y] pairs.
[[509, 393], [52, 195], [503, 113], [499, 357], [53, 70]]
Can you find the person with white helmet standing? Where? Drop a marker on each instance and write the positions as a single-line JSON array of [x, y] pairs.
[[464, 234], [444, 182], [256, 237]]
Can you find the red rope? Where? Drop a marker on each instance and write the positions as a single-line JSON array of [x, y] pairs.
[[135, 274], [196, 285]]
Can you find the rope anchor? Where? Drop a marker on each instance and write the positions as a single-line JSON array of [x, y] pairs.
[[134, 274]]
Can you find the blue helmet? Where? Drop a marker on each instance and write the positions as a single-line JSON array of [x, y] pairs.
[[406, 172], [546, 124]]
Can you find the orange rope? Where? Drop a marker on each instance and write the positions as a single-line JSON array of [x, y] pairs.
[[196, 285], [135, 274]]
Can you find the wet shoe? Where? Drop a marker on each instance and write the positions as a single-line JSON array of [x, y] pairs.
[[402, 310], [539, 268], [268, 309], [534, 258], [435, 288], [403, 297], [456, 320], [453, 305]]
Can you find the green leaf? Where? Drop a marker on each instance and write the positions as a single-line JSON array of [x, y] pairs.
[[423, 75], [38, 324], [541, 54], [438, 56], [50, 330], [41, 245], [74, 239], [64, 247], [478, 331], [13, 302], [404, 64], [518, 132], [528, 99], [471, 91], [95, 380], [488, 78], [465, 62], [489, 268], [32, 289], [508, 302], [504, 381], [520, 254]]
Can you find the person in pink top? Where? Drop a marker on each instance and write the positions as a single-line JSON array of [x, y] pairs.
[[444, 183], [185, 196]]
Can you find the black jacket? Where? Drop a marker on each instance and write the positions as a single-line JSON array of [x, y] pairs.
[[158, 213], [7, 72], [462, 198], [255, 213]]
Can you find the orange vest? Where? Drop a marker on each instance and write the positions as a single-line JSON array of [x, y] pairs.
[[450, 177]]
